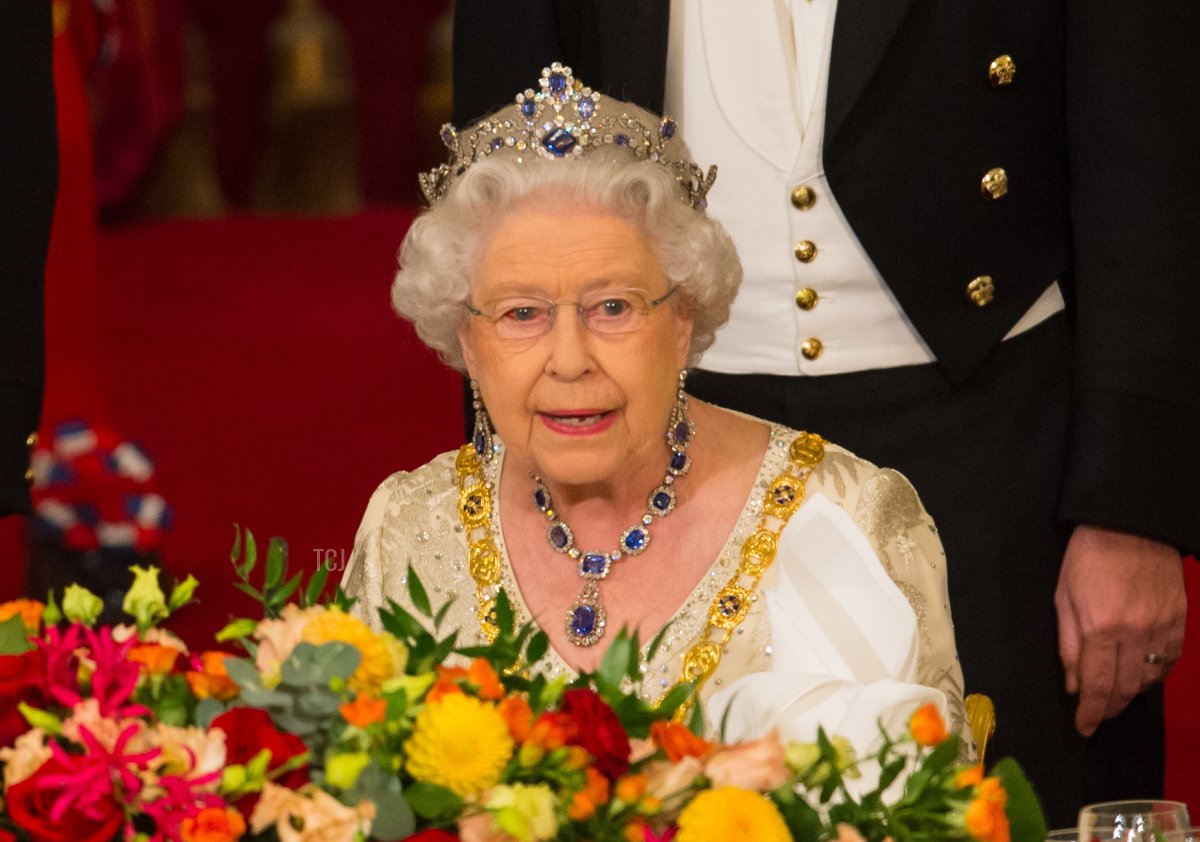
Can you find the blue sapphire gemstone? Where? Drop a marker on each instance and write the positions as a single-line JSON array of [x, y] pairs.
[[729, 605], [678, 460], [449, 135], [539, 498], [784, 494], [559, 537], [683, 432], [635, 540], [529, 108], [460, 170], [661, 501], [558, 83], [497, 143], [668, 129], [583, 620], [593, 564], [480, 443], [559, 142], [622, 140], [586, 108]]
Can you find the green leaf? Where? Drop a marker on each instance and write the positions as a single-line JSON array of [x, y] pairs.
[[39, 718], [236, 630], [206, 711], [246, 589], [943, 755], [14, 637], [431, 801], [393, 815], [281, 596], [316, 585], [444, 648], [657, 642], [400, 623], [539, 644], [276, 563], [236, 553], [1025, 819], [614, 665], [504, 614], [251, 555], [696, 720], [674, 699], [441, 614], [416, 592]]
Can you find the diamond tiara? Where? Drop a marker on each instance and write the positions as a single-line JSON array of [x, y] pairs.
[[565, 119]]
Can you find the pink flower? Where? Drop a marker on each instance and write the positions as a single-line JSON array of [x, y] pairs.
[[62, 662], [667, 835], [758, 765], [182, 798], [86, 782], [115, 677]]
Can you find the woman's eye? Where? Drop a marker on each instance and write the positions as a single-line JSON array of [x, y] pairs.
[[614, 307], [523, 314]]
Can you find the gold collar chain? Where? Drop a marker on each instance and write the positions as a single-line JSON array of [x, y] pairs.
[[731, 604]]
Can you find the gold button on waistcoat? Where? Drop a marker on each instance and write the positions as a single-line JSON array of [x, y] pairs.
[[994, 184], [31, 441], [806, 250], [1001, 71], [811, 348], [803, 197], [807, 298], [29, 475], [981, 290]]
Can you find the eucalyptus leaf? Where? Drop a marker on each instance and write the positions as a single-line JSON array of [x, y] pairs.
[[206, 711], [431, 801], [393, 815]]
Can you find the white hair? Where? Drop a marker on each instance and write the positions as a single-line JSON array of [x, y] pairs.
[[438, 256]]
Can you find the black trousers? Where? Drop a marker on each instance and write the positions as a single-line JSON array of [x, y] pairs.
[[987, 460]]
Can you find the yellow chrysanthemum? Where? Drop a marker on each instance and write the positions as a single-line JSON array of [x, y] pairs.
[[381, 659], [460, 743], [730, 814]]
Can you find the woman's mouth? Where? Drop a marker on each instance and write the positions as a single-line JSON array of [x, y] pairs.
[[578, 422]]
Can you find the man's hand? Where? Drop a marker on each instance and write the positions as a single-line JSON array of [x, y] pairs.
[[1120, 599]]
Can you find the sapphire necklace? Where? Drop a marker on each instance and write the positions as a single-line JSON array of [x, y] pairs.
[[585, 620]]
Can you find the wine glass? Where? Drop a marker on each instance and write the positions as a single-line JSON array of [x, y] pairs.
[[1066, 834], [1145, 820]]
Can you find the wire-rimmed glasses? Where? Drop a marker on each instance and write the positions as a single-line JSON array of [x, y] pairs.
[[602, 311]]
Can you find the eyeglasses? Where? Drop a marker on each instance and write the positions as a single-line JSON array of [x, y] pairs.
[[605, 312]]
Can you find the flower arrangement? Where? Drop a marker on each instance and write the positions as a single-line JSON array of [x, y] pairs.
[[324, 728]]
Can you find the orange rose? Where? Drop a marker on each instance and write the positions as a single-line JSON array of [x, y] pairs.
[[155, 658], [213, 824], [970, 776], [211, 680], [551, 731], [585, 802], [364, 710], [631, 788], [985, 817], [484, 677], [927, 726], [757, 765], [518, 715], [447, 683], [677, 740], [635, 831]]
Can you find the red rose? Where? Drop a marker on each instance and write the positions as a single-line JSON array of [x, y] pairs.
[[432, 835], [29, 807], [21, 678], [247, 732], [598, 730]]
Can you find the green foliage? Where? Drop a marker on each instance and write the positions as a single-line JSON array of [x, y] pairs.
[[14, 639], [275, 589]]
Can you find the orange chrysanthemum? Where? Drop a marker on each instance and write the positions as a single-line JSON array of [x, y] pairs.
[[446, 683], [589, 799], [927, 726], [364, 710], [635, 831], [985, 817], [29, 609], [154, 658], [677, 740], [213, 824], [211, 681]]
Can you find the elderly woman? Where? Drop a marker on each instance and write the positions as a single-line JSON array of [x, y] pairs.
[[567, 265]]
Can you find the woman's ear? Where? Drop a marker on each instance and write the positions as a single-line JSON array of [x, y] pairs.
[[684, 325]]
